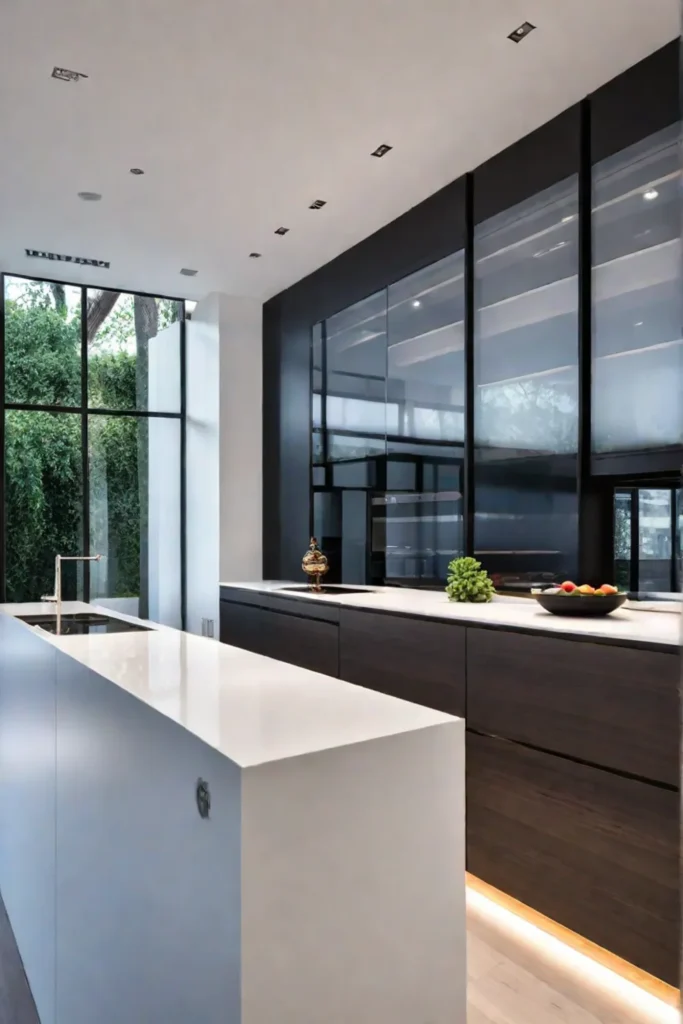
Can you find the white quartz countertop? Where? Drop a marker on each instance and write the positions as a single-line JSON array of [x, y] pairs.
[[626, 624], [250, 708]]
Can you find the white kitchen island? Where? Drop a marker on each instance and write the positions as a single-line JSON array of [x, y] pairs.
[[326, 885]]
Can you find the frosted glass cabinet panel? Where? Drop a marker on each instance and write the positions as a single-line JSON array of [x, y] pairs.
[[637, 351], [526, 387]]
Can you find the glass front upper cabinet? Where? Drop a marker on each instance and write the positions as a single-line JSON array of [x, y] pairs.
[[526, 388], [637, 310]]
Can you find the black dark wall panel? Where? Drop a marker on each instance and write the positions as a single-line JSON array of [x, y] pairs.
[[622, 111], [640, 102], [538, 161]]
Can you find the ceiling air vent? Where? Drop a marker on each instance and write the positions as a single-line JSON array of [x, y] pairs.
[[187, 272], [40, 254], [317, 204], [381, 150], [281, 231], [64, 75]]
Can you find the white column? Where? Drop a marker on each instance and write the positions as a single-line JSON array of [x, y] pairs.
[[224, 451]]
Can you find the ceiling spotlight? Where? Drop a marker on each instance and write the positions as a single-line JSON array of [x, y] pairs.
[[651, 193], [254, 255], [281, 231], [416, 303], [90, 197], [522, 32], [66, 75], [638, 323], [381, 150], [136, 170]]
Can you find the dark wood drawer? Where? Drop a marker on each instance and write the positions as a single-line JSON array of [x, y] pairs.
[[613, 706], [305, 642], [410, 658], [595, 851], [305, 607]]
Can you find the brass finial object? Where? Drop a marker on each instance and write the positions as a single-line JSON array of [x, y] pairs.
[[314, 564]]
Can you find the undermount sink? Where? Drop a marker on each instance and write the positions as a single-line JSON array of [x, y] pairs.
[[330, 588], [83, 624]]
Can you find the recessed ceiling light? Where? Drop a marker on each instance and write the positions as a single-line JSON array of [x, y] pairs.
[[188, 272], [136, 170], [522, 32], [651, 193], [638, 323], [381, 150], [416, 303], [254, 255], [90, 197], [568, 218], [281, 231], [318, 204], [42, 254], [65, 75]]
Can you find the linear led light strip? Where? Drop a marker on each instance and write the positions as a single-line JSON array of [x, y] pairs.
[[654, 1010]]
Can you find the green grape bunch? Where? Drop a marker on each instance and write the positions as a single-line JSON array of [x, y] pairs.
[[467, 581]]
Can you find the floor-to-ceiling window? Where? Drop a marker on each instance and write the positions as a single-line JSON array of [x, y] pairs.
[[92, 445]]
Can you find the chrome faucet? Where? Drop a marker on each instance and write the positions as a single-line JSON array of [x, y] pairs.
[[56, 598]]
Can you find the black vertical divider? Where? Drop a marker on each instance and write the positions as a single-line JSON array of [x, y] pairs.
[[85, 468], [634, 565], [468, 467], [3, 595], [183, 467]]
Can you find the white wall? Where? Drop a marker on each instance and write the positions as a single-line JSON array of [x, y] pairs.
[[202, 463], [224, 451], [241, 432]]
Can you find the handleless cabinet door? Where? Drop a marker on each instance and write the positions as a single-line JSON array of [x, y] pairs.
[[411, 658], [617, 707], [592, 850]]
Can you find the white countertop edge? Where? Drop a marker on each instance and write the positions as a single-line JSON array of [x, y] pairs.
[[626, 625], [250, 708]]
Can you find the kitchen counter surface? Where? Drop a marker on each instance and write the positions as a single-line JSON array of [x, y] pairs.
[[248, 707], [627, 625]]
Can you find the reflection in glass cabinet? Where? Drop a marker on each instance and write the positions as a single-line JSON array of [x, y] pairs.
[[526, 389], [388, 420], [637, 309]]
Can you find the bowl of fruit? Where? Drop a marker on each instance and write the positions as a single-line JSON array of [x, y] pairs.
[[568, 599]]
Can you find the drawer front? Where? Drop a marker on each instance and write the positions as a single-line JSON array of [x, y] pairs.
[[305, 642], [410, 658], [594, 851], [306, 607], [613, 706]]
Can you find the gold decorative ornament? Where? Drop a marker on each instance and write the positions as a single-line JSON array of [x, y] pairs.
[[314, 564]]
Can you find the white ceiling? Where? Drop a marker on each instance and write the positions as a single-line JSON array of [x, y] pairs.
[[242, 112]]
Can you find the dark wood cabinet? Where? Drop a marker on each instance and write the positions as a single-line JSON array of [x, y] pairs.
[[613, 706], [594, 851], [411, 658], [309, 643]]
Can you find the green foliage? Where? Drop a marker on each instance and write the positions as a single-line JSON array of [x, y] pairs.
[[43, 450], [467, 581]]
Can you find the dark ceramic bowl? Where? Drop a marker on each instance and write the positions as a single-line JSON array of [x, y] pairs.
[[583, 604]]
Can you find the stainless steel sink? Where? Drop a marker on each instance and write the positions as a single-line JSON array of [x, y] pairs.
[[329, 588], [83, 624]]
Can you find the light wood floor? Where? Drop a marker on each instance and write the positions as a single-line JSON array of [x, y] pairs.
[[513, 978], [518, 975]]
